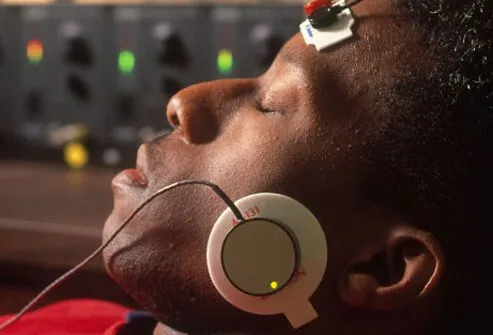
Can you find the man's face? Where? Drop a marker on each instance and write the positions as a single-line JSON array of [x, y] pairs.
[[297, 130]]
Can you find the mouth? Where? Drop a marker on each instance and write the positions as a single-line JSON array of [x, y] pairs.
[[133, 178]]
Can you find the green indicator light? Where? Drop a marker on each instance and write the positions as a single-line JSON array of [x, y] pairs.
[[274, 285], [126, 61], [225, 61]]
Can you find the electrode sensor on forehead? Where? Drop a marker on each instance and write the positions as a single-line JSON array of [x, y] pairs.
[[327, 24]]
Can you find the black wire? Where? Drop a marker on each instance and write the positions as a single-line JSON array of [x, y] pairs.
[[75, 269], [220, 193]]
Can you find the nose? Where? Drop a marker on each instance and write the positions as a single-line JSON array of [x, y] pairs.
[[200, 112]]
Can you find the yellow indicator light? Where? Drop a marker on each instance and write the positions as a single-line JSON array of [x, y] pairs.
[[274, 285], [76, 155], [225, 61], [34, 51]]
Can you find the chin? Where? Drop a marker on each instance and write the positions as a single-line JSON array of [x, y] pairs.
[[161, 270], [182, 302], [181, 297]]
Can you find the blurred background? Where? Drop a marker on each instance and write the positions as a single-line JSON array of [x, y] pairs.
[[82, 85]]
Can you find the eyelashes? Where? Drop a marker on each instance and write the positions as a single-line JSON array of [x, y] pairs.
[[268, 101], [264, 109]]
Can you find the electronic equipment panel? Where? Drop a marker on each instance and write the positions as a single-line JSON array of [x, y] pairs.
[[104, 74]]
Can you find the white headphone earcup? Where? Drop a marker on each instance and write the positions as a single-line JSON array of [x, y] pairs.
[[293, 299], [259, 257]]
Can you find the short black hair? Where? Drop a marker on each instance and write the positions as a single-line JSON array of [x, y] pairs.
[[434, 163]]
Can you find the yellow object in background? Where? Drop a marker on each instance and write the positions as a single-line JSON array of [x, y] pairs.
[[76, 155]]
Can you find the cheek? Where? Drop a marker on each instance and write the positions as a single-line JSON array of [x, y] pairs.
[[170, 235], [261, 154]]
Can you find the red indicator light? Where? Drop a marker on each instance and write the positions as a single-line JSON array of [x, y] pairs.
[[34, 51]]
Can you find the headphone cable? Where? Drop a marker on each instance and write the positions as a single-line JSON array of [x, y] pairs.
[[219, 192]]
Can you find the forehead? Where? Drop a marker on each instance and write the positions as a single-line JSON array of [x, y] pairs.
[[375, 29], [384, 46]]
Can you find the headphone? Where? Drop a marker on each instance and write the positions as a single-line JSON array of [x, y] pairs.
[[272, 262]]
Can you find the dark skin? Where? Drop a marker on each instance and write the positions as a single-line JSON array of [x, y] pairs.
[[299, 130]]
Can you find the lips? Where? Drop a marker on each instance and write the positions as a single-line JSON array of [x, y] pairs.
[[130, 177], [133, 177]]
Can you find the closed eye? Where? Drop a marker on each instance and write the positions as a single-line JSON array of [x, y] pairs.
[[263, 108]]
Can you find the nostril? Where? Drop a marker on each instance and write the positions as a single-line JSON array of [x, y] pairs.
[[174, 121], [173, 111]]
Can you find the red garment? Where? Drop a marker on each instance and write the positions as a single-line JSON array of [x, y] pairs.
[[73, 317]]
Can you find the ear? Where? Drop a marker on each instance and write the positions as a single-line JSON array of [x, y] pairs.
[[408, 267]]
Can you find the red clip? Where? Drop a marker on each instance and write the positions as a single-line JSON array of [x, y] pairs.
[[316, 5]]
